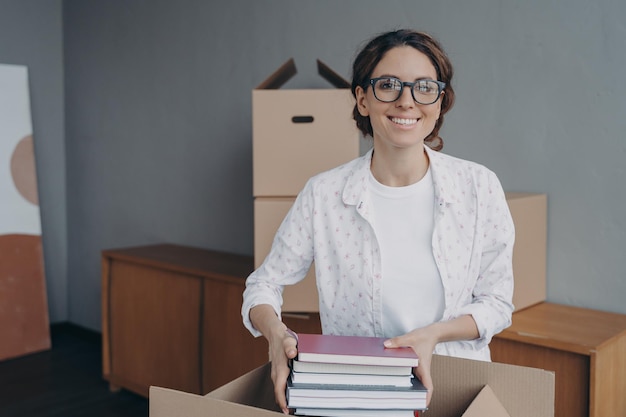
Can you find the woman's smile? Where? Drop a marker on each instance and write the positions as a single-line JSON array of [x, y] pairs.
[[403, 121]]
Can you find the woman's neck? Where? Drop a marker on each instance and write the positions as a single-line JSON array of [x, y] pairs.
[[400, 167]]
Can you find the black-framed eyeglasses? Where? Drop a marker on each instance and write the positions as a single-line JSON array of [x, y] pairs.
[[389, 89]]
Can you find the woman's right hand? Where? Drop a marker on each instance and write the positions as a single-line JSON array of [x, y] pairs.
[[282, 348]]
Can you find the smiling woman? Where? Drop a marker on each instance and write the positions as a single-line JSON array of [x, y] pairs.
[[409, 244]]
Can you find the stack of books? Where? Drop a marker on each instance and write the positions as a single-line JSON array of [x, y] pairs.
[[338, 376]]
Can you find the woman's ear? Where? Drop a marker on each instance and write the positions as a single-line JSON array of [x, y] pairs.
[[361, 102], [440, 103]]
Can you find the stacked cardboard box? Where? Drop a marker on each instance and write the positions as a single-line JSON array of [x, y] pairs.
[[529, 211], [304, 132], [295, 135], [530, 216]]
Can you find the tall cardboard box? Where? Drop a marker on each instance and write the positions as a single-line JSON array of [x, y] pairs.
[[463, 388], [529, 212], [295, 135]]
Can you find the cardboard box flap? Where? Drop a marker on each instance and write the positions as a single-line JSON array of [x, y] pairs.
[[165, 402], [486, 404], [286, 71], [279, 77], [238, 391], [331, 76], [523, 391]]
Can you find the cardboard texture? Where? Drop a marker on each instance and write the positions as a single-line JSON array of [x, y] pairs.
[[529, 213], [514, 391], [299, 132], [486, 404]]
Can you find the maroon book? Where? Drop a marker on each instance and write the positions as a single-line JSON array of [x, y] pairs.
[[357, 350]]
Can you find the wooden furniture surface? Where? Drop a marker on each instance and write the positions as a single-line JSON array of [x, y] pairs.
[[171, 317], [585, 348]]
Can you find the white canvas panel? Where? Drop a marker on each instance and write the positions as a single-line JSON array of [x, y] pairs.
[[19, 214]]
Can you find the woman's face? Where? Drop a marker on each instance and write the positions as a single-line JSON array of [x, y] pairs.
[[402, 123]]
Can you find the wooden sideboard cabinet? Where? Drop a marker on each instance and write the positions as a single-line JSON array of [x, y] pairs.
[[171, 317], [585, 348]]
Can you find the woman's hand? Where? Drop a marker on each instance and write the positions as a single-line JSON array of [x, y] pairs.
[[282, 348], [423, 342]]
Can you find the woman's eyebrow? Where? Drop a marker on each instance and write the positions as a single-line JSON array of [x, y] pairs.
[[386, 76], [424, 77]]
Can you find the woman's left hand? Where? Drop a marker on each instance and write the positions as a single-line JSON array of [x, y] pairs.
[[423, 342]]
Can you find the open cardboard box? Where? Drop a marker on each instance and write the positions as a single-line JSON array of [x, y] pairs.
[[463, 388]]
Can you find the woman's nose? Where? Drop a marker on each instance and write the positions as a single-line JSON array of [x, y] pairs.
[[406, 98]]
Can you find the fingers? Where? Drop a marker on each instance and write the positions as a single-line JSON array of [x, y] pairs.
[[289, 346], [395, 342], [423, 373], [280, 370], [279, 394], [423, 347]]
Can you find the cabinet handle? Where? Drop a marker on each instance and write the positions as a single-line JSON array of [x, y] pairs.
[[299, 316]]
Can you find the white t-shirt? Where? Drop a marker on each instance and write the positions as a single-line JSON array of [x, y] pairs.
[[413, 294]]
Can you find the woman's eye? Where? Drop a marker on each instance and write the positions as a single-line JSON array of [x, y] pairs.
[[426, 87], [388, 84]]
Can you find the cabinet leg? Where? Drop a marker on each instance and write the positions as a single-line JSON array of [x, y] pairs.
[[114, 388]]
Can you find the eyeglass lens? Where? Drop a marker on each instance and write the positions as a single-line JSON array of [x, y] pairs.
[[390, 89]]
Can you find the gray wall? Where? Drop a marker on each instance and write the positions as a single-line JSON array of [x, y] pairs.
[[31, 35], [158, 120]]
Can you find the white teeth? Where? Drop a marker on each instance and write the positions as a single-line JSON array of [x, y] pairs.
[[403, 121]]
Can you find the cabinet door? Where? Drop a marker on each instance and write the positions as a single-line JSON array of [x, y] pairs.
[[229, 350], [154, 328]]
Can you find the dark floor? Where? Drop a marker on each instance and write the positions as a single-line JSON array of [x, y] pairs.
[[65, 381]]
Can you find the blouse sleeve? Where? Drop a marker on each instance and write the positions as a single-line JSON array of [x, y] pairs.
[[492, 295], [287, 263]]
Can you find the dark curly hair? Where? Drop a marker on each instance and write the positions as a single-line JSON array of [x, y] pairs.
[[375, 50]]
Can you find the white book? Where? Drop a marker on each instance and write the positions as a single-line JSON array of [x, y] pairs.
[[350, 379], [356, 396], [342, 412], [341, 368]]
